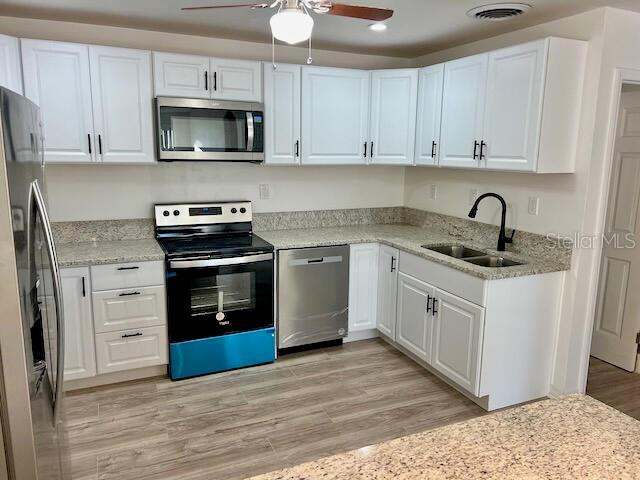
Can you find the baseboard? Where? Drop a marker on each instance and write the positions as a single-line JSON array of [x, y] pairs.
[[116, 377], [361, 335]]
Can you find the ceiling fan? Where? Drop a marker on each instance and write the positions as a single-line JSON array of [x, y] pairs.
[[293, 23]]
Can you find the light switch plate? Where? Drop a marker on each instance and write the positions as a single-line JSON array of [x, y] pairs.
[[534, 205], [265, 191]]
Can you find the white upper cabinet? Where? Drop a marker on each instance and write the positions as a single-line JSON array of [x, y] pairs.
[[363, 286], [514, 103], [10, 68], [56, 77], [79, 351], [457, 340], [195, 76], [282, 113], [122, 104], [463, 111], [393, 116], [335, 116], [236, 80], [429, 114], [177, 75]]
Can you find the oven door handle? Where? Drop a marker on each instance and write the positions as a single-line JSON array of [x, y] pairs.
[[219, 262]]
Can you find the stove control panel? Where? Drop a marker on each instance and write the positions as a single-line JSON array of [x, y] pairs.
[[202, 213]]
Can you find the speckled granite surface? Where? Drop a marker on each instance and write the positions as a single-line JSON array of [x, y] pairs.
[[575, 437], [104, 252], [109, 241], [410, 239]]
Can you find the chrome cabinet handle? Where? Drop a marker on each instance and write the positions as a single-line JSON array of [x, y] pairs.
[[37, 205]]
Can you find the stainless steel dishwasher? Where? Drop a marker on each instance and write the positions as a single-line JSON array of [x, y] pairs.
[[313, 295]]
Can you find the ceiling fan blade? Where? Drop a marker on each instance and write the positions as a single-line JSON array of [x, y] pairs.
[[250, 5], [356, 11]]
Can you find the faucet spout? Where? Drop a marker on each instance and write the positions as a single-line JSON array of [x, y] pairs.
[[502, 237]]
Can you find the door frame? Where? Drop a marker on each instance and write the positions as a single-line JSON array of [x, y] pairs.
[[621, 76]]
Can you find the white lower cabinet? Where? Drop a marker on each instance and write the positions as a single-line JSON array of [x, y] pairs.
[[115, 318], [79, 352], [415, 320], [387, 290], [363, 286], [457, 339], [128, 349]]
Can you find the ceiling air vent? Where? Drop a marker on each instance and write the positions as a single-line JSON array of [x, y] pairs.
[[498, 11]]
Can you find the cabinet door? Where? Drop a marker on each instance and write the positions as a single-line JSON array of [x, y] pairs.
[[10, 69], [415, 320], [115, 310], [514, 106], [282, 110], [457, 340], [463, 111], [177, 75], [363, 286], [393, 116], [335, 115], [122, 104], [79, 346], [236, 80], [56, 77], [430, 84], [387, 290]]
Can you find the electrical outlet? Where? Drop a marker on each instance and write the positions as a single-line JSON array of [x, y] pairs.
[[473, 196], [534, 205], [265, 191], [434, 192]]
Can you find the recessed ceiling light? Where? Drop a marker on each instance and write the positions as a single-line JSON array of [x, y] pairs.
[[378, 27]]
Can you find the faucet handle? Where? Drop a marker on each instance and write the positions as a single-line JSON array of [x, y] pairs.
[[510, 238]]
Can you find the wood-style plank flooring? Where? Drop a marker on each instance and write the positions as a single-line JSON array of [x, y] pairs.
[[615, 387], [242, 423]]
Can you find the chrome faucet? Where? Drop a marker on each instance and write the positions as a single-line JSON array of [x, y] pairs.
[[502, 237]]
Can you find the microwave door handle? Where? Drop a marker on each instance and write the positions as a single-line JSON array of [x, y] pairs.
[[37, 201], [250, 131]]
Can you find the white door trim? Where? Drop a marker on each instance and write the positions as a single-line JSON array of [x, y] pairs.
[[621, 76]]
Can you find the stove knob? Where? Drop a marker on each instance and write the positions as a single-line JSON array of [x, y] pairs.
[[176, 212], [234, 210], [243, 210], [165, 213]]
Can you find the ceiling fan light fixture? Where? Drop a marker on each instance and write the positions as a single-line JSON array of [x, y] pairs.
[[291, 25], [378, 27]]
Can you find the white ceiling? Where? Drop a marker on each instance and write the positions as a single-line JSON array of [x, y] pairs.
[[417, 27]]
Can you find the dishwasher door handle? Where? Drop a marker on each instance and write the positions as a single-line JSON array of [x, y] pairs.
[[297, 262]]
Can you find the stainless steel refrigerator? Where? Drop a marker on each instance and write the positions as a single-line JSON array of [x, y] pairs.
[[31, 311]]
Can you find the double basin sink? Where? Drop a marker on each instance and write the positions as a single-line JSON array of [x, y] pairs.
[[470, 255]]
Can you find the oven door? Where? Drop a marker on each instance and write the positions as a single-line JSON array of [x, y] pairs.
[[214, 297], [195, 129]]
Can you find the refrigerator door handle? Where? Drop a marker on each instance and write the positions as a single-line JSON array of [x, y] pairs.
[[38, 201]]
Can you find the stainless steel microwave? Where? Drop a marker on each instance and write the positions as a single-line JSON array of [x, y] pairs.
[[191, 129]]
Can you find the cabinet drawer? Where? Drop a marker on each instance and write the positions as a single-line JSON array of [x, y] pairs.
[[127, 275], [128, 349], [115, 310], [446, 278]]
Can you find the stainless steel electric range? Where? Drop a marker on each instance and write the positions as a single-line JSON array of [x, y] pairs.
[[219, 279]]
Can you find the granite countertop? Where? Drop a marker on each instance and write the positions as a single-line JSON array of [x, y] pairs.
[[571, 437], [108, 251], [410, 239]]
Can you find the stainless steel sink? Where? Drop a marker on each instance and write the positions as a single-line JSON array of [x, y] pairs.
[[455, 251], [492, 261]]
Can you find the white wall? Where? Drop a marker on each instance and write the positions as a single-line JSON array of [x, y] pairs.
[[198, 45], [561, 195], [93, 192]]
